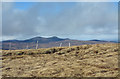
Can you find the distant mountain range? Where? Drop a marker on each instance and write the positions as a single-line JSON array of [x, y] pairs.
[[45, 43], [35, 39]]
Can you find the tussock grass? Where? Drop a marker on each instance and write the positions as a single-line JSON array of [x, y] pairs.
[[98, 60]]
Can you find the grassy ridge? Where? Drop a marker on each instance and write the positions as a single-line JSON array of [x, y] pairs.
[[98, 60], [59, 50]]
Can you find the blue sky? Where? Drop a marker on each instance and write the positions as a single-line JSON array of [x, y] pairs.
[[56, 8], [75, 20], [23, 5]]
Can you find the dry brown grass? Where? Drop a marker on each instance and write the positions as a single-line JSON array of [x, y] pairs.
[[99, 60]]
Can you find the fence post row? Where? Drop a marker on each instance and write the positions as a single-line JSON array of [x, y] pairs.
[[36, 45]]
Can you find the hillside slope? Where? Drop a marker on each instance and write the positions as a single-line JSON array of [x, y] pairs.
[[45, 43], [98, 60]]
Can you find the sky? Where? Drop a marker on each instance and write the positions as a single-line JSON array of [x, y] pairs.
[[74, 20]]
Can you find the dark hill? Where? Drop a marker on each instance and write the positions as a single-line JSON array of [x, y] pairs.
[[35, 39], [99, 40]]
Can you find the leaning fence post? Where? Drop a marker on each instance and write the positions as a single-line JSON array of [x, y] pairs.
[[69, 44], [27, 46], [10, 46], [60, 44], [37, 45]]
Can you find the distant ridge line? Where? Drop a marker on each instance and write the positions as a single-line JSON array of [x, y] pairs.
[[46, 43]]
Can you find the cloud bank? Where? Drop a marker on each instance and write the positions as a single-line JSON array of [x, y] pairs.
[[81, 20]]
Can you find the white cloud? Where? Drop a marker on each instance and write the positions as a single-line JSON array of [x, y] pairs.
[[88, 20]]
